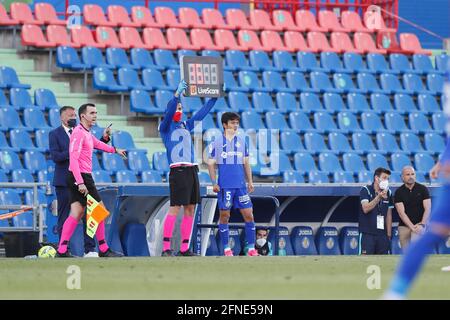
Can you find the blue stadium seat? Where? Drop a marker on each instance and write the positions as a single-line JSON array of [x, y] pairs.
[[22, 176], [173, 78], [126, 176], [395, 242], [396, 177], [137, 161], [160, 162], [152, 78], [435, 83], [318, 177], [307, 62], [278, 164], [261, 61], [34, 161], [293, 177], [284, 241], [231, 83], [324, 122], [329, 162], [96, 163], [414, 83], [4, 145], [164, 58], [34, 118], [113, 162], [162, 98], [20, 138], [188, 53], [267, 140], [368, 83], [9, 79], [117, 57], [299, 121], [249, 79], [206, 124], [434, 142], [151, 176], [410, 142], [103, 79], [338, 142], [221, 105], [331, 61], [124, 140], [422, 63], [93, 58], [320, 80], [365, 177], [390, 83], [53, 117], [419, 122], [45, 99], [3, 176], [395, 122], [290, 141], [101, 176], [362, 142], [283, 60], [380, 103], [438, 119], [286, 102], [444, 247], [140, 101], [296, 80], [310, 102], [327, 241], [378, 64], [29, 197], [357, 102], [97, 131], [371, 122], [45, 175], [273, 81], [344, 82], [239, 101], [4, 102], [333, 102], [20, 99], [354, 62], [303, 241], [67, 58], [343, 177], [252, 120], [353, 162], [376, 160], [276, 121], [315, 143], [211, 53], [234, 242], [399, 161], [349, 240], [401, 63], [142, 59], [212, 249], [134, 240], [420, 177], [387, 142], [347, 122], [304, 162], [9, 119], [423, 162], [129, 78], [9, 160], [237, 61], [404, 103], [262, 102], [442, 62]]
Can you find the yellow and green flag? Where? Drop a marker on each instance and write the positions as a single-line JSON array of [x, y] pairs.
[[96, 213]]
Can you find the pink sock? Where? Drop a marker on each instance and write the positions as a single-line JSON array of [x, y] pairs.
[[100, 235], [68, 228], [186, 228], [169, 224]]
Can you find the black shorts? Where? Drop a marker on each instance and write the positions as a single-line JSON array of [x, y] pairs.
[[184, 186], [374, 244], [75, 195]]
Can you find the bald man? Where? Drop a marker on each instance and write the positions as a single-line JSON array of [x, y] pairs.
[[413, 204]]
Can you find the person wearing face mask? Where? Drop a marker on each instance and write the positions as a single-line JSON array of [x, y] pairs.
[[59, 152], [262, 246], [183, 177], [375, 215]]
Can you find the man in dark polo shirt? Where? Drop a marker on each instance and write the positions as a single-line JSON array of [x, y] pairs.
[[375, 215], [413, 204]]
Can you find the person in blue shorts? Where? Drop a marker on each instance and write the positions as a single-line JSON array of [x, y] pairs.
[[230, 153]]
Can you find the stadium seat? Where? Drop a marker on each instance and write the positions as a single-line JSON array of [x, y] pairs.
[[324, 122], [178, 39], [410, 142], [357, 102], [317, 42], [400, 63], [129, 78], [152, 78], [20, 138], [251, 120], [284, 241], [352, 22], [213, 19], [167, 18], [293, 177], [307, 62], [291, 142], [143, 17], [45, 99], [130, 37], [434, 142], [387, 142], [249, 79], [191, 104], [381, 103], [165, 58], [53, 117], [368, 83], [439, 121], [162, 97], [23, 220], [32, 36], [9, 160], [318, 177], [190, 18], [390, 83], [119, 16], [347, 122], [304, 162], [260, 20], [296, 80], [276, 121], [103, 79], [419, 122], [344, 82], [332, 62], [234, 242], [435, 83], [125, 176], [29, 197], [342, 42], [5, 20], [21, 12], [423, 162], [329, 21], [22, 176], [441, 62], [94, 15], [249, 40], [320, 81], [261, 61], [364, 42], [410, 42], [108, 37], [140, 101], [236, 60], [4, 145], [310, 102], [404, 103], [271, 41], [4, 102], [142, 59], [333, 102], [273, 81], [34, 118], [306, 21], [284, 20], [395, 122], [339, 142], [365, 177], [362, 142], [303, 241], [315, 142], [296, 42], [422, 64], [349, 240], [284, 61], [9, 79], [20, 99], [160, 162], [151, 176], [113, 162], [399, 161], [329, 162], [9, 119], [237, 19], [354, 62], [202, 39], [378, 64], [299, 121], [327, 241], [153, 38], [124, 140], [239, 101], [376, 160], [58, 35], [134, 240], [353, 163], [84, 37], [101, 176], [414, 83], [286, 102], [93, 57]]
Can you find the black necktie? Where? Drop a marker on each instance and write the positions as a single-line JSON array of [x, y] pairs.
[[70, 131]]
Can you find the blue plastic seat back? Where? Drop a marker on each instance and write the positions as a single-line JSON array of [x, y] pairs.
[[423, 162], [307, 60], [376, 160], [34, 118], [151, 176], [113, 162], [291, 141], [152, 78], [387, 141], [327, 242], [357, 102], [410, 142], [20, 138], [276, 120], [126, 176], [164, 58], [9, 160], [134, 240], [141, 58], [330, 60], [422, 63], [434, 142], [239, 101], [236, 59], [329, 162], [442, 62], [54, 118], [252, 120], [413, 82], [353, 162], [160, 162], [323, 121], [162, 98], [333, 102], [137, 161], [273, 80], [343, 177], [310, 102], [371, 122], [377, 63], [343, 81], [354, 62], [320, 80], [435, 82], [249, 79], [262, 101], [123, 140], [318, 177], [380, 102], [293, 177], [395, 122], [404, 102], [439, 121], [286, 102], [349, 240], [101, 176], [400, 62], [367, 81], [284, 241], [34, 160], [259, 59], [347, 121], [92, 57], [390, 82], [283, 60], [399, 161], [22, 176], [315, 142], [304, 162], [129, 77], [45, 98], [419, 122], [303, 241], [296, 80], [173, 78], [117, 57], [298, 120], [338, 142]]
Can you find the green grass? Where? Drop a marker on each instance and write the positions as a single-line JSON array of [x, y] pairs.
[[319, 277]]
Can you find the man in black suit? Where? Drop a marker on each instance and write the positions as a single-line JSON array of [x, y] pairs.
[[59, 151]]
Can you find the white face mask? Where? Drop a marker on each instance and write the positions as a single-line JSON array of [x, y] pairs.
[[261, 242], [384, 184]]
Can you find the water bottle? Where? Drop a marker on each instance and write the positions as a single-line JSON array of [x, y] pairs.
[[33, 256]]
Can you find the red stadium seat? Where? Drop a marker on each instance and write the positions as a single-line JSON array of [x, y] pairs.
[[388, 41], [119, 16], [249, 40], [376, 24], [342, 42], [21, 12], [306, 21], [213, 19], [166, 17], [83, 36], [178, 38], [59, 36], [202, 39], [32, 36], [108, 36], [261, 20], [226, 39], [271, 41], [5, 20], [144, 17], [352, 21], [329, 21], [296, 42], [190, 17], [318, 42], [283, 19], [46, 13], [363, 41], [130, 37], [94, 15], [410, 42], [154, 38], [236, 18]]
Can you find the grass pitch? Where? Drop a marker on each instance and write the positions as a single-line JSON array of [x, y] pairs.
[[312, 277]]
